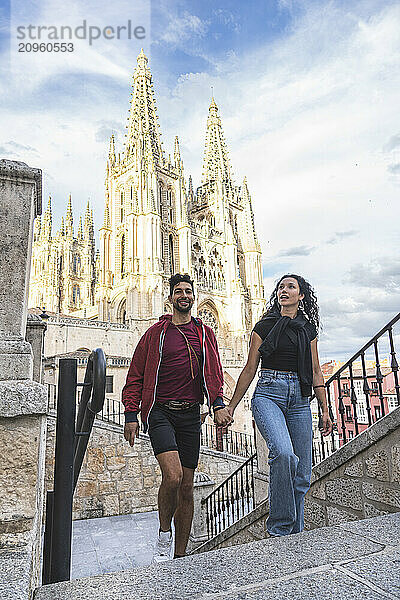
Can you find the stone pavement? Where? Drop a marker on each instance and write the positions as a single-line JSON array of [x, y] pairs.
[[354, 560], [112, 543]]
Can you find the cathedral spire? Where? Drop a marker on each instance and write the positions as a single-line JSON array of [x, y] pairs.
[[80, 232], [216, 164], [88, 224], [69, 219], [143, 128], [177, 152], [111, 152], [46, 225], [106, 222], [251, 235], [62, 228]]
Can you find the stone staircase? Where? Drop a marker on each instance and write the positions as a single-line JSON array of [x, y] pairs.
[[349, 561], [360, 480]]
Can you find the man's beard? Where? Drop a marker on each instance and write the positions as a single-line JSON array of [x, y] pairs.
[[183, 309]]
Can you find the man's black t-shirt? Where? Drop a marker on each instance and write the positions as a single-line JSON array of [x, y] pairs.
[[285, 356]]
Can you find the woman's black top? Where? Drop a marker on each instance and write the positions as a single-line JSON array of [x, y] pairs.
[[284, 358]]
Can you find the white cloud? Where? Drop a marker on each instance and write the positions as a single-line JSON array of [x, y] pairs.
[[311, 118], [182, 28]]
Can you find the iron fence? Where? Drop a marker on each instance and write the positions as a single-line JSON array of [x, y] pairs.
[[347, 415], [232, 499], [224, 439]]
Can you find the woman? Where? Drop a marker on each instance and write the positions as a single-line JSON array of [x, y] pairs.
[[286, 342]]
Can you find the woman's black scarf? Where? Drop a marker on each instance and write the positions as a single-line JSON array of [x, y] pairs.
[[296, 331]]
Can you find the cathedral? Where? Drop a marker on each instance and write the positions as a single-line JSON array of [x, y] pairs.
[[156, 224]]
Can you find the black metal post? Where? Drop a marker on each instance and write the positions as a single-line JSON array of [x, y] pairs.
[[63, 472], [47, 538]]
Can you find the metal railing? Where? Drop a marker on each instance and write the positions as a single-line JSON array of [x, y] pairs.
[[356, 369], [71, 443], [226, 440], [222, 440], [111, 412], [232, 499]]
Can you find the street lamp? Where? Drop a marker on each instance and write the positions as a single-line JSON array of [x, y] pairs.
[[44, 314]]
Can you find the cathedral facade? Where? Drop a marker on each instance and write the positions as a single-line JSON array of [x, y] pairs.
[[156, 224]]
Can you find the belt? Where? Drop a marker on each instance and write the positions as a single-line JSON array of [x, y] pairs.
[[178, 405]]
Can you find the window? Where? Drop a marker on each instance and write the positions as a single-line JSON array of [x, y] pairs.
[[109, 384], [122, 207], [171, 255], [378, 412], [76, 264], [374, 387], [349, 416], [123, 254], [76, 294], [350, 434], [358, 387], [346, 389], [392, 402], [362, 411]]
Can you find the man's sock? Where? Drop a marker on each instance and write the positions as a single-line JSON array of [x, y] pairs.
[[179, 555]]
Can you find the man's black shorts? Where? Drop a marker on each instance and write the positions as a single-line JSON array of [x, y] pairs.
[[176, 430]]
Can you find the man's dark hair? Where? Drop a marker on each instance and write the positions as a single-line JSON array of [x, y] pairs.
[[177, 278]]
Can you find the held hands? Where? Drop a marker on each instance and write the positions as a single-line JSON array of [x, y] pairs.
[[325, 424], [131, 430], [223, 418]]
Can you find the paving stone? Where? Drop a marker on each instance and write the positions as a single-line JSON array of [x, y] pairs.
[[384, 529], [14, 574], [382, 570], [219, 569], [330, 585], [115, 564]]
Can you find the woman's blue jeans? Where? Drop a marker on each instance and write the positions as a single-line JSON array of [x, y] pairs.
[[283, 417]]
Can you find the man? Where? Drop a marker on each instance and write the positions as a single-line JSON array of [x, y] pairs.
[[176, 363]]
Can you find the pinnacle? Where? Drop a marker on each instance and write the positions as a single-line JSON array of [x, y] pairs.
[[142, 60], [80, 233], [69, 208], [213, 105], [112, 146]]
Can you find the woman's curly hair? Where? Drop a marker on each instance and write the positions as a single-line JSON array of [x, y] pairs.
[[309, 304]]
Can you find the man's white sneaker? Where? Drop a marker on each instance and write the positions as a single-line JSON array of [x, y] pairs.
[[163, 547]]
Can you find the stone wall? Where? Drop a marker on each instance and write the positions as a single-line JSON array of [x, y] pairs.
[[360, 480], [117, 479]]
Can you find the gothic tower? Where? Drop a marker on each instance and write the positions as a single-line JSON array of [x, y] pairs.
[[63, 269], [225, 252], [145, 236]]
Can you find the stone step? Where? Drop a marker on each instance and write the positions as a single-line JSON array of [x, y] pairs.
[[350, 561]]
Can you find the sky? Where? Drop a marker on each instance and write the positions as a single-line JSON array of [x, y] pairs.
[[308, 93]]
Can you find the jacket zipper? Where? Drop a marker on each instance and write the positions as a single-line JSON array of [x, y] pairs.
[[160, 349], [204, 372]]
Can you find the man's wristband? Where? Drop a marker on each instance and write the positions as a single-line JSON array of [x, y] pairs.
[[216, 408], [131, 417]]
